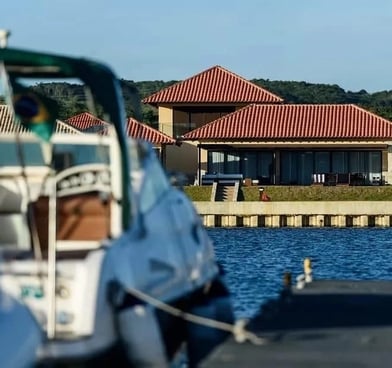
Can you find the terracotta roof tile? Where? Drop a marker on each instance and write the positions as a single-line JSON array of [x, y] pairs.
[[286, 122], [88, 122], [62, 127], [138, 130], [214, 85], [8, 125]]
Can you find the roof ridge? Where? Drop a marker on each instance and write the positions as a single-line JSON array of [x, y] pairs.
[[89, 114], [208, 70], [371, 113], [310, 104], [248, 81], [281, 121], [179, 82]]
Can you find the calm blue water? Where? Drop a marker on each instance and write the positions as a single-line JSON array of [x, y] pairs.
[[256, 258]]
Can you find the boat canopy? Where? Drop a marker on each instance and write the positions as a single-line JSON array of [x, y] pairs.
[[97, 77]]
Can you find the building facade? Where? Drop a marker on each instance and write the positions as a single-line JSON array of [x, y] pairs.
[[228, 125]]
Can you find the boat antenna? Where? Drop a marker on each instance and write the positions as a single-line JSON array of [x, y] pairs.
[[4, 34]]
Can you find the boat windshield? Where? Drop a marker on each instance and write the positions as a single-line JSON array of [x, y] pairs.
[[68, 155], [149, 181], [43, 126], [64, 155], [10, 154], [62, 102]]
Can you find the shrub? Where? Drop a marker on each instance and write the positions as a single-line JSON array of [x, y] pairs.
[[301, 193]]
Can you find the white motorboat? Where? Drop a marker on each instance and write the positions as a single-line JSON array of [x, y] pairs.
[[105, 253]]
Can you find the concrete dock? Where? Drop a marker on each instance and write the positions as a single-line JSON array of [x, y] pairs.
[[296, 214], [328, 323]]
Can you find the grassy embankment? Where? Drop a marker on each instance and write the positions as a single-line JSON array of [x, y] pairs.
[[302, 193]]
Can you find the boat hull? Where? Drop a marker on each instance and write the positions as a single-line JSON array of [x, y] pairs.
[[21, 335]]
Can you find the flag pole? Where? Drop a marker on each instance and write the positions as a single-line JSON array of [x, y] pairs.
[[4, 34]]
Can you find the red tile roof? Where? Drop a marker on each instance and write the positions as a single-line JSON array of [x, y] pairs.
[[8, 125], [88, 122], [214, 85], [62, 127], [287, 122], [138, 130]]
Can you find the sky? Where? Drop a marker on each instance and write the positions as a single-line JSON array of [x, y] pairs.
[[343, 42]]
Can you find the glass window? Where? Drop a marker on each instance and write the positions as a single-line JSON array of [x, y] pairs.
[[296, 168], [30, 154], [357, 162], [66, 155], [374, 167], [265, 170], [232, 163], [189, 118], [289, 168], [375, 162], [181, 123], [305, 168], [216, 162], [321, 162], [250, 165], [339, 162]]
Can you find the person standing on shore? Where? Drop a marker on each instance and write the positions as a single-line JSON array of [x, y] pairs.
[[263, 195]]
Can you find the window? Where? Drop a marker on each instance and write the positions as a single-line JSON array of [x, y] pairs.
[[357, 162], [339, 162], [289, 168], [250, 165], [265, 168], [189, 118], [30, 153], [232, 163], [296, 167], [216, 162], [375, 162], [321, 163], [66, 155]]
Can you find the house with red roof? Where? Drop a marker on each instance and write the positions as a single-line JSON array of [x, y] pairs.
[[228, 125], [8, 125], [88, 123], [196, 101]]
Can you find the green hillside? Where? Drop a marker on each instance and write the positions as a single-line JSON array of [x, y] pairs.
[[70, 96]]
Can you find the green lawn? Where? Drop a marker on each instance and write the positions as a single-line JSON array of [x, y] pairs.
[[301, 193]]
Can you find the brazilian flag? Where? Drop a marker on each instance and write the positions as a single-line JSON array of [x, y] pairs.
[[36, 112]]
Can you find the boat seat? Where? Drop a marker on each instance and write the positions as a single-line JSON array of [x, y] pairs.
[[83, 220], [83, 217]]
